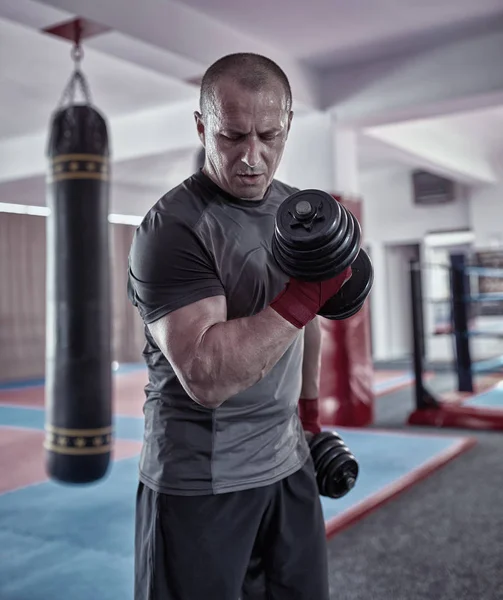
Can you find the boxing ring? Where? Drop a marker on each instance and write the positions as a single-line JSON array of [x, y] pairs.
[[471, 320], [63, 540]]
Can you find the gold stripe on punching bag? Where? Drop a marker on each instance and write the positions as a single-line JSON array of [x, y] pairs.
[[78, 439], [79, 166]]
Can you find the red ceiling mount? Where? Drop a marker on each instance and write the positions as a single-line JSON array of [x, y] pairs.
[[77, 29]]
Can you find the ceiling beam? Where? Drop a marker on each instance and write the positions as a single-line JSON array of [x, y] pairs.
[[183, 32], [434, 146], [456, 76]]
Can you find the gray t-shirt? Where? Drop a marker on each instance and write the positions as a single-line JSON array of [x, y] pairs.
[[198, 241]]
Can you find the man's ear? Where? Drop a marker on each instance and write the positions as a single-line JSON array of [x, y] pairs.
[[199, 126], [290, 117]]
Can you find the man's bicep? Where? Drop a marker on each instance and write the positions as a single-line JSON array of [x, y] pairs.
[[179, 333]]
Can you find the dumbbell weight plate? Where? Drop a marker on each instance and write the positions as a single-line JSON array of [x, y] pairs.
[[322, 263], [332, 457], [342, 485], [351, 298], [330, 460], [325, 447], [319, 438], [308, 219], [291, 250]]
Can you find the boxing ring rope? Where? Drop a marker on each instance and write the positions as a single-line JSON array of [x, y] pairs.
[[463, 308]]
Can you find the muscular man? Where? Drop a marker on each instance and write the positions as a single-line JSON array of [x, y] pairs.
[[231, 345]]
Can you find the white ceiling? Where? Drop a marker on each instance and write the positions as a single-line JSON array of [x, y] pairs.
[[342, 31], [157, 49], [33, 14], [35, 67], [482, 127]]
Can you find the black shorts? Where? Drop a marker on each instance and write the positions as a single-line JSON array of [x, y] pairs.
[[263, 543]]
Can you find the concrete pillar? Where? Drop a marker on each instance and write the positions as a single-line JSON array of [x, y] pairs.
[[379, 314]]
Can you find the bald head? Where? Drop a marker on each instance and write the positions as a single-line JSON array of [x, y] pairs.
[[243, 123], [251, 72]]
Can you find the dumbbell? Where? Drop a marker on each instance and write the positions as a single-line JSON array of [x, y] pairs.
[[335, 467], [316, 238]]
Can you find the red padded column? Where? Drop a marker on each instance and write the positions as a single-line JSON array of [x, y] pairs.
[[346, 380]]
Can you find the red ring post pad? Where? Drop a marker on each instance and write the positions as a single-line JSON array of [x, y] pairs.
[[458, 416], [346, 378]]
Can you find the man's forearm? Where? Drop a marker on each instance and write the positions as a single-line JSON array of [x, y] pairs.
[[312, 359], [234, 355]]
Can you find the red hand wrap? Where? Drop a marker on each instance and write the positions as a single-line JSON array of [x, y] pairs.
[[309, 415], [300, 301]]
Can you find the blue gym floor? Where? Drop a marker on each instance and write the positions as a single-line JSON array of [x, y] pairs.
[[492, 398], [63, 542]]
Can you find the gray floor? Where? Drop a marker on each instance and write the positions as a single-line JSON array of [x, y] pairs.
[[440, 540]]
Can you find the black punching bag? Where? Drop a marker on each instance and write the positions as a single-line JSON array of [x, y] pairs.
[[78, 348]]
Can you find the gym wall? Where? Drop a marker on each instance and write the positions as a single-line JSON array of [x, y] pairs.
[[22, 302], [486, 214], [392, 217], [393, 224], [391, 220]]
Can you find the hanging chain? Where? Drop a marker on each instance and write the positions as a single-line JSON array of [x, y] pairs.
[[77, 54], [77, 78]]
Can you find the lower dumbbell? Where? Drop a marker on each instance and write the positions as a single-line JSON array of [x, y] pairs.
[[335, 466]]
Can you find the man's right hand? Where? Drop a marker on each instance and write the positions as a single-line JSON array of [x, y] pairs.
[[300, 301]]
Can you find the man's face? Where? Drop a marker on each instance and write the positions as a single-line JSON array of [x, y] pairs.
[[244, 136]]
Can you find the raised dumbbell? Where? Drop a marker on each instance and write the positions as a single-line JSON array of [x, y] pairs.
[[316, 238], [335, 467]]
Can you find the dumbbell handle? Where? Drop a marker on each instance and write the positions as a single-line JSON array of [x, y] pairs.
[[350, 482]]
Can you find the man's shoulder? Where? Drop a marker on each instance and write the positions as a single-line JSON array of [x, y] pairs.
[[184, 203], [170, 222]]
